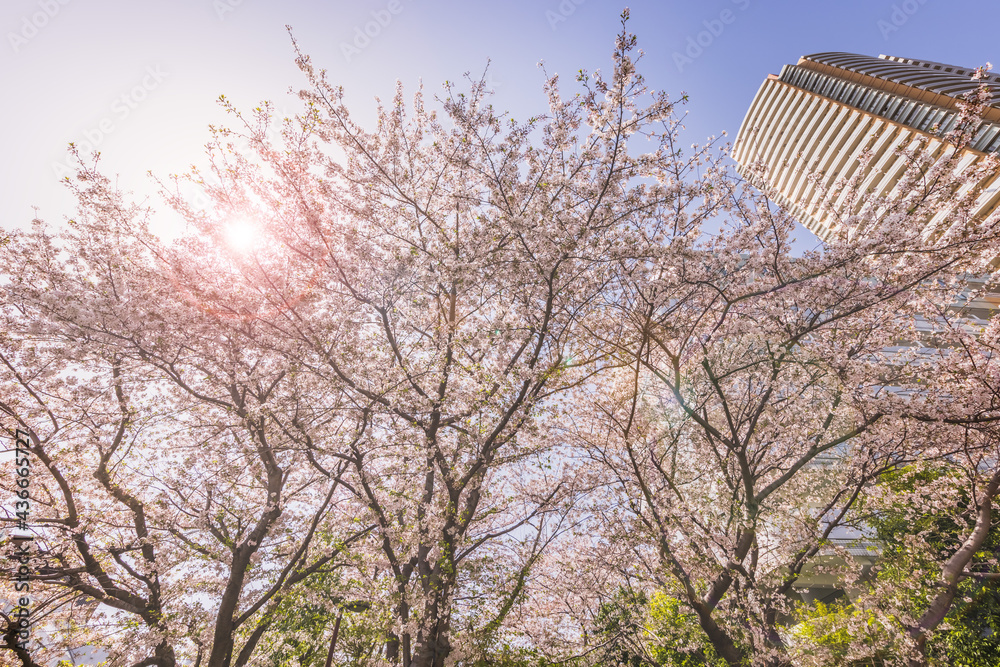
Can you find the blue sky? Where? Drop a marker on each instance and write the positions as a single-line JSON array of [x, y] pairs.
[[139, 80]]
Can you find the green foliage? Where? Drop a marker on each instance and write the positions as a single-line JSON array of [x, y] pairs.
[[680, 640], [970, 635], [914, 543], [620, 627], [942, 531], [824, 625], [301, 633], [302, 626], [298, 632], [827, 632], [638, 630], [973, 639], [512, 656]]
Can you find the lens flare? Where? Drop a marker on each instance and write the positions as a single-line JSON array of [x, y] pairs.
[[242, 235]]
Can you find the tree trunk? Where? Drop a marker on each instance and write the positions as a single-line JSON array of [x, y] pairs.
[[433, 642], [433, 646], [723, 644], [165, 655], [11, 639], [952, 572], [221, 654]]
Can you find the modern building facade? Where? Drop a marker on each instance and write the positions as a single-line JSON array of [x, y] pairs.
[[809, 125], [808, 128]]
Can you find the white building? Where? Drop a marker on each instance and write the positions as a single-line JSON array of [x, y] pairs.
[[819, 115]]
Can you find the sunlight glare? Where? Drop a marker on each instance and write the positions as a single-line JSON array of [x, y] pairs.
[[242, 235]]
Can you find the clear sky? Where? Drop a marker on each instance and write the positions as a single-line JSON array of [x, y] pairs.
[[139, 79]]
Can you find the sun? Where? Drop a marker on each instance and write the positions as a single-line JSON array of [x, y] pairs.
[[242, 235]]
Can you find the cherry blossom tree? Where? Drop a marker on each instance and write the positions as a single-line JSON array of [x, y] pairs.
[[447, 272], [941, 507], [484, 380], [767, 392], [170, 490]]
